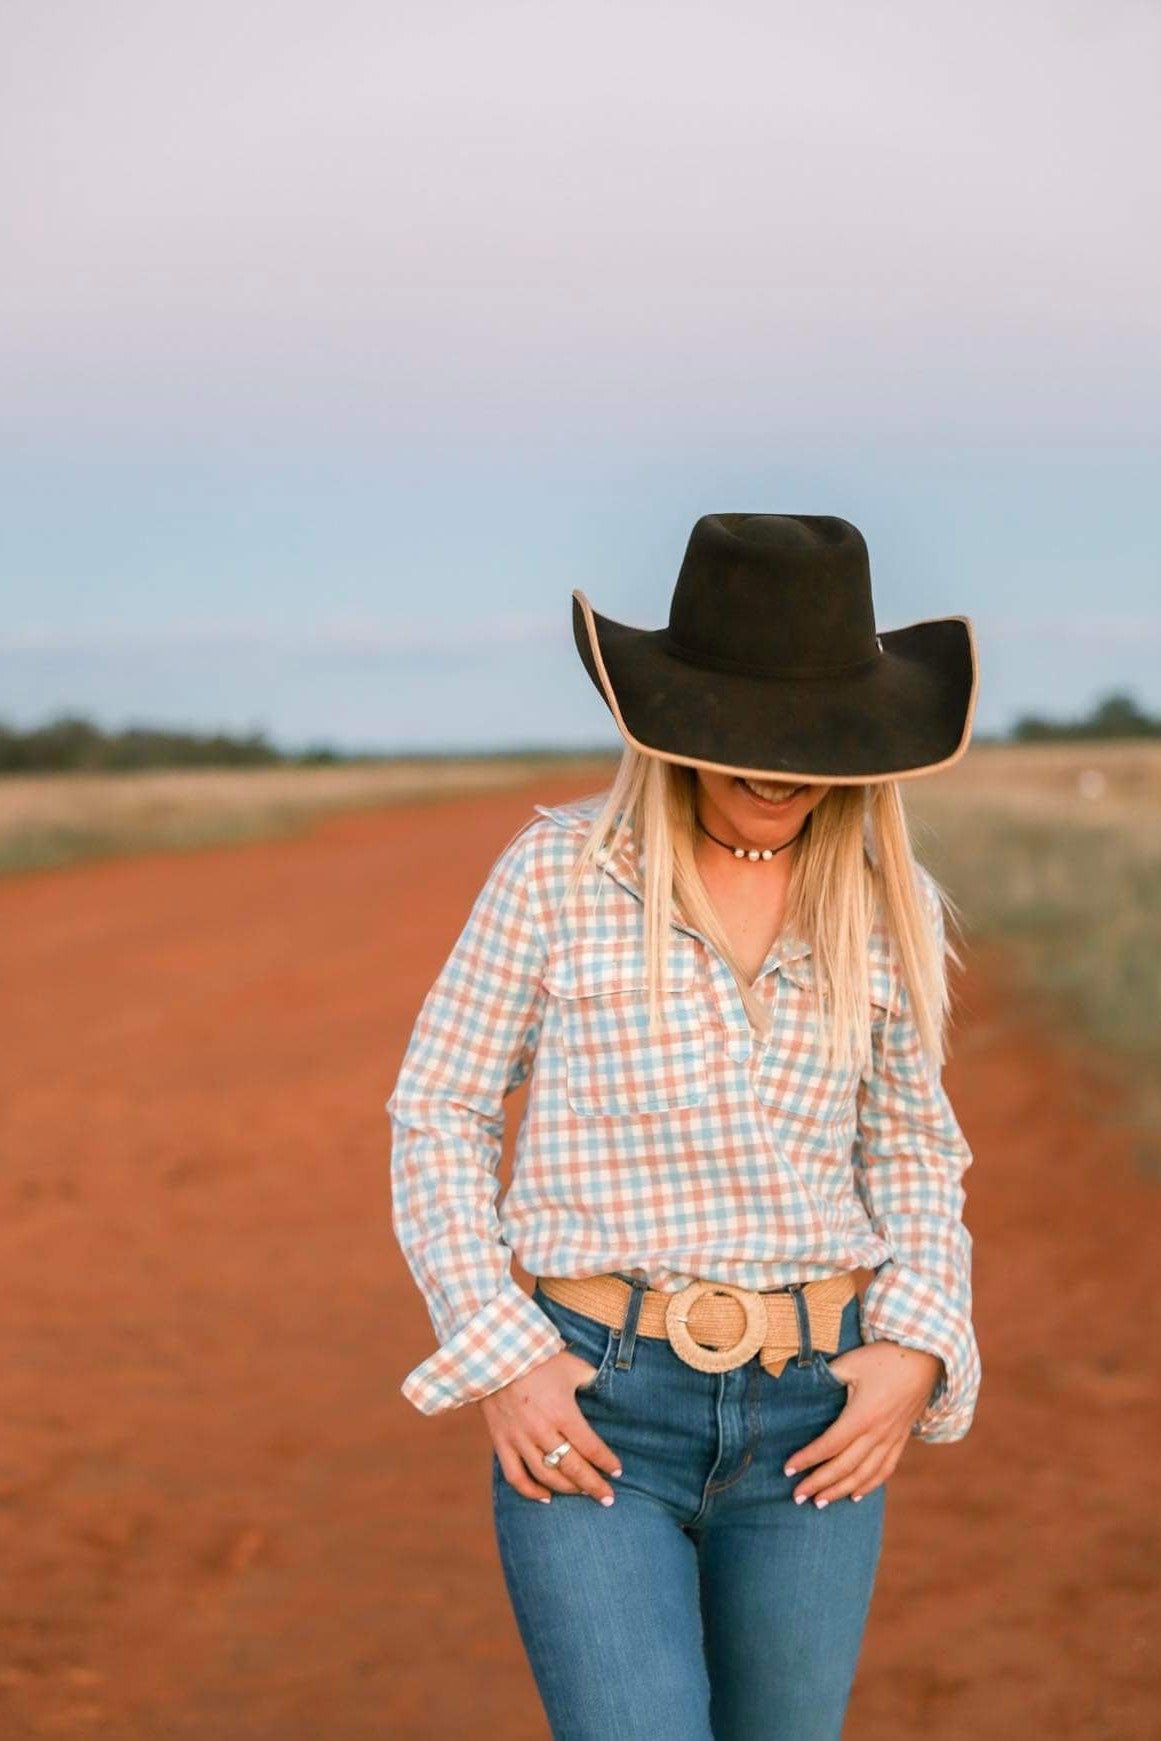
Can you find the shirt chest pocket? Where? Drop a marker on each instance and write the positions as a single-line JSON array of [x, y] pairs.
[[614, 1066], [816, 1098]]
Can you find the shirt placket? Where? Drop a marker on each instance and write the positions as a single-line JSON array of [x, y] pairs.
[[740, 1040]]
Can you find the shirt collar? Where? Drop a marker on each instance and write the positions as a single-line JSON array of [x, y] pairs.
[[792, 958]]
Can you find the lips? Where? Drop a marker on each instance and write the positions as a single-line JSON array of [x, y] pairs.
[[769, 803]]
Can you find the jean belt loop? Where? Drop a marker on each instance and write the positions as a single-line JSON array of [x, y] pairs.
[[639, 1283], [805, 1340]]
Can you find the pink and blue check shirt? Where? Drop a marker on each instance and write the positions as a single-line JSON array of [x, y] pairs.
[[698, 1151]]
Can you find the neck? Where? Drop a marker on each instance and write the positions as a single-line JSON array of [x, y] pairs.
[[722, 845]]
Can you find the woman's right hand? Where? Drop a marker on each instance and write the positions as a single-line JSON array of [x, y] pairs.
[[532, 1414]]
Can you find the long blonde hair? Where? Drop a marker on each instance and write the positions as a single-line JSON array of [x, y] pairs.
[[838, 891]]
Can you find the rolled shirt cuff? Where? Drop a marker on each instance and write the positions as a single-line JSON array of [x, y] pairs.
[[904, 1307], [506, 1337]]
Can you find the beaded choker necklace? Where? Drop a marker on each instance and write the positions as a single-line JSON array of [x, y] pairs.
[[754, 852]]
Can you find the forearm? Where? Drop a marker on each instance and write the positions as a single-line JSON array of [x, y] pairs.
[[445, 1221], [473, 1042]]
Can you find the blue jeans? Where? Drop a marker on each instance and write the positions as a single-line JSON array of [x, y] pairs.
[[703, 1605]]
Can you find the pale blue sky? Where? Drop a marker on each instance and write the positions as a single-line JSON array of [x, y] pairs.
[[339, 342]]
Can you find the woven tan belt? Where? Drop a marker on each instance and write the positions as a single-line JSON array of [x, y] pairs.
[[715, 1326]]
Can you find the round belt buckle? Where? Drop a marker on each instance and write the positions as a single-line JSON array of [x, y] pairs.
[[715, 1359]]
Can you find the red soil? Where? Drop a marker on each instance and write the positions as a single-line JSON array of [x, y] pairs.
[[219, 1518]]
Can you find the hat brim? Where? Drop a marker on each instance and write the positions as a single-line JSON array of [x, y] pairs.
[[909, 713]]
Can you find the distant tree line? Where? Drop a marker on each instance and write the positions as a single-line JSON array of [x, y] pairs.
[[1117, 716], [74, 745], [70, 744]]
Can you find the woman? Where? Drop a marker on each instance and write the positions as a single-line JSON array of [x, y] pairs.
[[738, 1180]]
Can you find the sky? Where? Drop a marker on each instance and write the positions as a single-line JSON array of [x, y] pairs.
[[339, 343]]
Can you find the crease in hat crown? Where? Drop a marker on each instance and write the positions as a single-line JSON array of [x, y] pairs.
[[778, 595]]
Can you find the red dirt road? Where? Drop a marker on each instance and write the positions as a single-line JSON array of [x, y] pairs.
[[219, 1518]]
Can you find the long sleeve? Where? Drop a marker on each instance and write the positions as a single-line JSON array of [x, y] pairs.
[[473, 1043], [909, 1164]]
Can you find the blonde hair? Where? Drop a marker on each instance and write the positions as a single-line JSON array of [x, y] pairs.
[[839, 889]]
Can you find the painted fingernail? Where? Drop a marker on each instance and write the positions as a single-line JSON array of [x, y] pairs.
[[856, 1497], [607, 1500], [544, 1499], [821, 1502], [617, 1472], [801, 1498], [790, 1469]]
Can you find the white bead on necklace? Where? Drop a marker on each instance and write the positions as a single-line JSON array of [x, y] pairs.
[[753, 852]]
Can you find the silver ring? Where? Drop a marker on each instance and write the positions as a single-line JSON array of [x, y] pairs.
[[552, 1458]]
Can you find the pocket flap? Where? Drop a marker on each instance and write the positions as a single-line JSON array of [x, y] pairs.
[[596, 971]]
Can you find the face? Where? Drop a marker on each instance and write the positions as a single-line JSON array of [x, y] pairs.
[[735, 812]]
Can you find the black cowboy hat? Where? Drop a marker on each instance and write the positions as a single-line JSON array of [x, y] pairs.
[[771, 664]]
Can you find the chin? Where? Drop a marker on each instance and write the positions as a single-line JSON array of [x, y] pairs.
[[762, 823]]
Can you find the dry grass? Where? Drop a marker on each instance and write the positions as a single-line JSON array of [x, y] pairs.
[[1101, 785], [55, 819], [1056, 849]]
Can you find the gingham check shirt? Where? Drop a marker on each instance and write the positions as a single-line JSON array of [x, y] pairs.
[[696, 1152]]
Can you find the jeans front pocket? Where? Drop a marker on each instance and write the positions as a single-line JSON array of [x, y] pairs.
[[588, 1337], [823, 1373], [850, 1336]]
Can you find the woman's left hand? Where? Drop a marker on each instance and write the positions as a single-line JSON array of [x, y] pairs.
[[889, 1386]]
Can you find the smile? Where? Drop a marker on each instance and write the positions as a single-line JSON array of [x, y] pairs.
[[771, 794]]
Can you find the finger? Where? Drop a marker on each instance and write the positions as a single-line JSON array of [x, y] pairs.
[[575, 1466], [590, 1444], [879, 1470], [851, 1422], [555, 1477], [517, 1476], [851, 1478], [884, 1460], [589, 1481], [833, 1468]]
